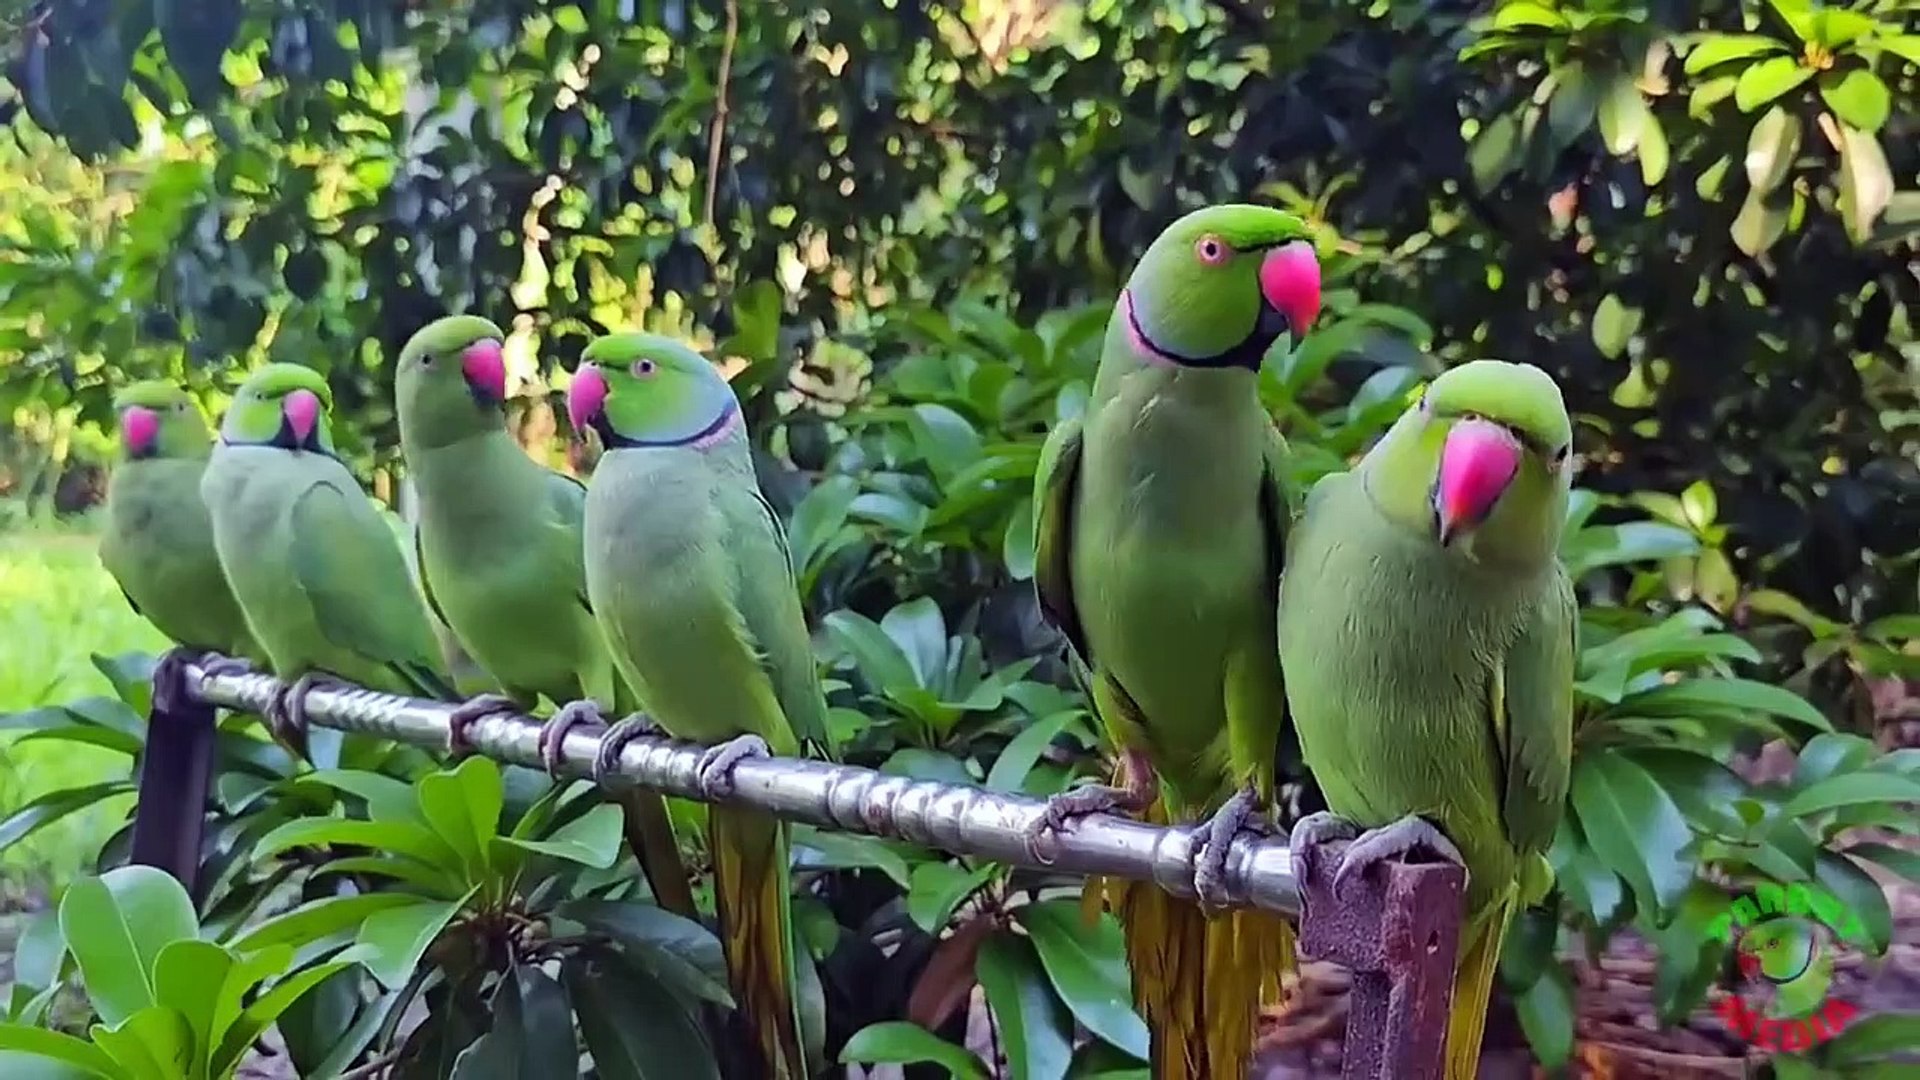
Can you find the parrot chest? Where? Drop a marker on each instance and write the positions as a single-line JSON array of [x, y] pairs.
[[502, 582], [159, 546], [251, 492]]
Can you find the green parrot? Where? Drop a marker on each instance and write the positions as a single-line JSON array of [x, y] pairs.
[[158, 543], [316, 569], [1160, 525], [502, 561], [1789, 954], [1428, 635], [689, 574]]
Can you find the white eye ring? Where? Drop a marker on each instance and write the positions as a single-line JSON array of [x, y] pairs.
[[644, 369], [1210, 250]]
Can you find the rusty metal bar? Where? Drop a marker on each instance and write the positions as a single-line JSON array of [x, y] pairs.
[[1397, 929]]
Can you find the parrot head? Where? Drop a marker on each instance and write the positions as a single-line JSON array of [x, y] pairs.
[[642, 390], [281, 405], [1219, 287], [1482, 458], [452, 381], [1779, 950], [160, 420]]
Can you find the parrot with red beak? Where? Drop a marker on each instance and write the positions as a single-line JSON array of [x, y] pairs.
[[1428, 633], [501, 560], [316, 569], [1160, 526]]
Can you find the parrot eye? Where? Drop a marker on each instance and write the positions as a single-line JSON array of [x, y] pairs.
[[644, 369], [1211, 250]]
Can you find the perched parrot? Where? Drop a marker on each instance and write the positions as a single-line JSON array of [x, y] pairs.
[[158, 542], [316, 569], [689, 574], [1428, 634], [1160, 525], [502, 560], [1789, 954]]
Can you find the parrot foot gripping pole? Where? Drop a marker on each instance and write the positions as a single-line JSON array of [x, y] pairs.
[[1397, 928]]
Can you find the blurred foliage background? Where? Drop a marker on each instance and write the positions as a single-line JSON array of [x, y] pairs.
[[901, 224]]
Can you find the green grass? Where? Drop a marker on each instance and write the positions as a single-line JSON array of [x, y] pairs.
[[56, 606]]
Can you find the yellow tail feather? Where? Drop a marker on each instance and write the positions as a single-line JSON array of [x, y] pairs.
[[1199, 982], [1473, 976], [749, 852]]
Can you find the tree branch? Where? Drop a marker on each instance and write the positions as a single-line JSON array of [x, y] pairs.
[[717, 134]]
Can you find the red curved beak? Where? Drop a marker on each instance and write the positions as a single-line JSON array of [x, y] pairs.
[[484, 363], [586, 397], [302, 410], [1478, 462], [1290, 281], [139, 427]]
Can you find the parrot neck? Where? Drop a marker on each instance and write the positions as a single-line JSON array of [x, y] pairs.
[[1129, 369], [455, 481]]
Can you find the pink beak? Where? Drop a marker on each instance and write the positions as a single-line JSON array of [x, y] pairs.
[[485, 365], [302, 410], [586, 397], [139, 426], [1290, 279], [1476, 465]]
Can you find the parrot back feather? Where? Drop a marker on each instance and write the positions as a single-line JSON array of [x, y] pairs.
[[750, 861]]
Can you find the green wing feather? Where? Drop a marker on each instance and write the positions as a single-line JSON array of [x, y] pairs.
[[769, 602], [1055, 482], [346, 562], [1533, 718], [567, 498], [426, 588]]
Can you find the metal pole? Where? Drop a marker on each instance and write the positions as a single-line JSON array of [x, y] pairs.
[[1397, 929]]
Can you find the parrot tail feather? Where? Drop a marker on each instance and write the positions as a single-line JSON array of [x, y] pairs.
[[650, 834], [1199, 981], [750, 882], [1473, 976]]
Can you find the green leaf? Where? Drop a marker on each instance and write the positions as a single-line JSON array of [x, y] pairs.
[[1600, 546], [1623, 115], [1087, 966], [920, 632], [391, 942], [1893, 628], [1495, 152], [1035, 1030], [592, 839], [55, 1046], [818, 517], [936, 888], [116, 925], [1761, 223], [1776, 603], [387, 799], [899, 1042], [1613, 325], [190, 976], [1016, 548], [1828, 754], [257, 1017], [1904, 46], [945, 439], [1871, 926], [532, 1032], [756, 321], [1857, 97], [1866, 182], [1767, 80], [1771, 147], [152, 1044], [853, 851], [633, 1029], [1546, 1014], [318, 919], [875, 656], [40, 812], [1850, 789], [462, 805], [1633, 825], [679, 951], [1575, 98], [1693, 697], [1899, 860], [412, 841], [1874, 1037], [1523, 14], [1016, 760], [1721, 48]]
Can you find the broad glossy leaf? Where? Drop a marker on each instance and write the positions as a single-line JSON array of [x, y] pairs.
[[1017, 758], [190, 976], [387, 799], [1721, 48], [391, 942], [1850, 789], [1525, 14], [58, 1046], [1087, 966], [1866, 181], [1767, 80], [317, 919], [918, 629], [1036, 1031], [155, 1043], [679, 951], [1858, 97], [592, 839], [44, 810], [1872, 1038], [1871, 925], [1771, 147], [1546, 1013], [400, 838], [462, 805], [324, 1023], [936, 888], [115, 926], [898, 1042], [1762, 221], [633, 1028], [852, 850], [1016, 546], [1614, 323], [39, 951], [818, 518], [1710, 696], [1634, 826], [260, 1015], [878, 659]]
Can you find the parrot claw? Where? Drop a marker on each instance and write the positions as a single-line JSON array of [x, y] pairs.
[[170, 678], [1089, 799], [553, 733], [1399, 838], [1307, 836], [1241, 813], [468, 713], [614, 741], [215, 664], [716, 765], [287, 715]]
